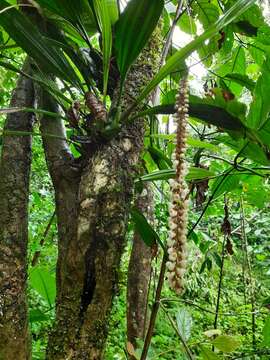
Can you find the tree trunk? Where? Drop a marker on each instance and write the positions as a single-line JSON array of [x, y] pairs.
[[92, 211], [139, 273], [14, 195]]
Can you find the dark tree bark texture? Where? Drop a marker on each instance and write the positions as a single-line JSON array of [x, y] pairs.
[[139, 273], [14, 194]]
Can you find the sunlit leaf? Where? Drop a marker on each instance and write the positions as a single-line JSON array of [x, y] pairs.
[[44, 283], [212, 332], [226, 343], [184, 323]]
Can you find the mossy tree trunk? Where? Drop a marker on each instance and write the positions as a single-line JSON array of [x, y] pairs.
[[14, 194], [92, 203]]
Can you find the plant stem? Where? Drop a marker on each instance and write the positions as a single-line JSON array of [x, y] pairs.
[[220, 283], [155, 308], [252, 290], [187, 350], [41, 243]]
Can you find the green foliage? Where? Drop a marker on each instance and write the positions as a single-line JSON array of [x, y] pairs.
[[26, 35], [44, 283], [266, 332], [139, 14], [226, 343], [147, 233], [102, 12], [184, 323], [234, 165]]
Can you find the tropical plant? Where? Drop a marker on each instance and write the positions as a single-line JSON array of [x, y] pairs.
[[89, 70]]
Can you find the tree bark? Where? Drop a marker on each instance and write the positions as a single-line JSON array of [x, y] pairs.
[[14, 194], [92, 211], [139, 273]]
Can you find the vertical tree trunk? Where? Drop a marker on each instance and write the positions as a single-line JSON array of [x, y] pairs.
[[139, 273], [92, 226], [14, 194]]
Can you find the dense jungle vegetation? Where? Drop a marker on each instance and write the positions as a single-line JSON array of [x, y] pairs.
[[134, 179]]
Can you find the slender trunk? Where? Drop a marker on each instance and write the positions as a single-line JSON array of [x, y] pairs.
[[92, 205], [139, 273], [14, 195]]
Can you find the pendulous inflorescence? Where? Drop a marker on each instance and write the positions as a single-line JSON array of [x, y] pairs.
[[176, 264]]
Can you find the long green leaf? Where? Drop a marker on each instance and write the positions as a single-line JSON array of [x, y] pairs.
[[133, 29], [193, 174], [211, 114], [26, 35], [236, 10], [104, 22]]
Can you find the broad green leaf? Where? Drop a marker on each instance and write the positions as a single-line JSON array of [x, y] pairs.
[[104, 21], [187, 24], [226, 184], [252, 150], [147, 233], [207, 13], [236, 10], [237, 64], [263, 35], [217, 116], [266, 332], [242, 80], [184, 323], [207, 354], [195, 143], [260, 106], [133, 30], [49, 58], [44, 283], [226, 343]]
